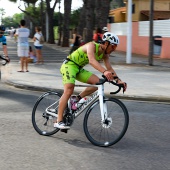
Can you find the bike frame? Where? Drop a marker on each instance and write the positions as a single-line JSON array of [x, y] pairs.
[[99, 94]]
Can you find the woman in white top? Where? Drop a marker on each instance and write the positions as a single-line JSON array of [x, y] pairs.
[[38, 46]]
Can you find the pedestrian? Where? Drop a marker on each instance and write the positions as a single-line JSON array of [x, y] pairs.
[[38, 45], [32, 55], [76, 41], [105, 29], [4, 43], [72, 70], [97, 37], [23, 45]]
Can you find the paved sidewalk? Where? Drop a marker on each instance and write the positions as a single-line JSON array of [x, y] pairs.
[[151, 83]]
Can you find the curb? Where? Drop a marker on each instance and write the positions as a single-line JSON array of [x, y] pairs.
[[129, 97]]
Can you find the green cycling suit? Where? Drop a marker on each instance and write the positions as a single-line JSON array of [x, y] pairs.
[[72, 69]]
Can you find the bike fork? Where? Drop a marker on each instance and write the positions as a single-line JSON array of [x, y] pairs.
[[103, 107]]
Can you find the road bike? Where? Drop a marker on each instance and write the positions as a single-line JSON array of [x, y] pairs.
[[105, 122]]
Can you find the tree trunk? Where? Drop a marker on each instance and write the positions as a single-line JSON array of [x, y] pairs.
[[98, 13], [51, 30], [50, 13], [82, 21], [102, 12], [67, 12], [42, 19], [89, 20]]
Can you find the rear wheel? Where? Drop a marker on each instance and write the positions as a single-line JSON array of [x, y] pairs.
[[112, 129], [41, 120]]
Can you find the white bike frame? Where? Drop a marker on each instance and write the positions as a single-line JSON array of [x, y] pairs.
[[99, 94]]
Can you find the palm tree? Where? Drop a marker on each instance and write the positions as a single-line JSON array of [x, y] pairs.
[[102, 12], [66, 22], [82, 21], [50, 13], [90, 6]]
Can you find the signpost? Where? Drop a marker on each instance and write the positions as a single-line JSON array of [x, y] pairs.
[[151, 33], [129, 34]]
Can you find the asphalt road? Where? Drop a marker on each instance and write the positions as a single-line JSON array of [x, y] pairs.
[[144, 147]]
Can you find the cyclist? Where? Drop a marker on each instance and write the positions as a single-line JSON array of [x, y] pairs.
[[3, 41], [72, 69]]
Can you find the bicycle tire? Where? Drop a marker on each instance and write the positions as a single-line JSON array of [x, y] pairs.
[[42, 121], [105, 135]]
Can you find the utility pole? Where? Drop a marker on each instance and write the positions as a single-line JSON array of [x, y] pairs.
[[129, 34], [151, 33]]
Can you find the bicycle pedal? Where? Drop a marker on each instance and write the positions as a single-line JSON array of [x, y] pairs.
[[64, 130]]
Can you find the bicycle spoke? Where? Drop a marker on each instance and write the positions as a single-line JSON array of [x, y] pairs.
[[112, 129], [42, 121]]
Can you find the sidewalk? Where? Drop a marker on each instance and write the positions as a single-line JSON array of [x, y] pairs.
[[148, 83]]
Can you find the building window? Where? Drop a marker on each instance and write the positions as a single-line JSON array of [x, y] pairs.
[[133, 8]]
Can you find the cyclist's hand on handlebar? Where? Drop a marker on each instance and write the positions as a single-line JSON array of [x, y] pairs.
[[123, 83], [108, 75]]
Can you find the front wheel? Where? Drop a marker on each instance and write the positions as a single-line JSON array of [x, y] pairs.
[[43, 122], [112, 129]]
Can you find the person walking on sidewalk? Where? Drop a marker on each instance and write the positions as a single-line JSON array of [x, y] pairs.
[[97, 37], [105, 29], [38, 46], [72, 70], [76, 41], [23, 45]]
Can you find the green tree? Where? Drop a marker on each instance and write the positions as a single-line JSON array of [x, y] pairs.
[[29, 16], [116, 4], [74, 18], [2, 12], [12, 21]]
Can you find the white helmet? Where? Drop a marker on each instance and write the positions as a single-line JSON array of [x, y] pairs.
[[105, 29], [110, 37]]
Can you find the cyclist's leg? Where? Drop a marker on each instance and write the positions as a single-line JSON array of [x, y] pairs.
[[89, 78], [69, 72], [68, 91]]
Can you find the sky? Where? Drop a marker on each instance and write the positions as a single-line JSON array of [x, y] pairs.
[[12, 8]]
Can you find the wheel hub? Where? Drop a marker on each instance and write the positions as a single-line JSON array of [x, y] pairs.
[[107, 122]]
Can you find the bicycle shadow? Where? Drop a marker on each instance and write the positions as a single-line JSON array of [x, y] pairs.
[[77, 138]]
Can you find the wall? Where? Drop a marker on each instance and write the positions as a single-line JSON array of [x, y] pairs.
[[118, 14], [140, 36]]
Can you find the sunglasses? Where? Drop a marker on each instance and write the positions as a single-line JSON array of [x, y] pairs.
[[1, 32]]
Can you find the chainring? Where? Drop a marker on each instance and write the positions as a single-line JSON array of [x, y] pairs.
[[68, 119]]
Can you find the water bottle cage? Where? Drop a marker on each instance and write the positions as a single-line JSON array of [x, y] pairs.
[[77, 104]]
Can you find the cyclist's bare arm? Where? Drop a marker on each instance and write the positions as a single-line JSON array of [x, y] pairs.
[[90, 48], [108, 65], [110, 69]]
